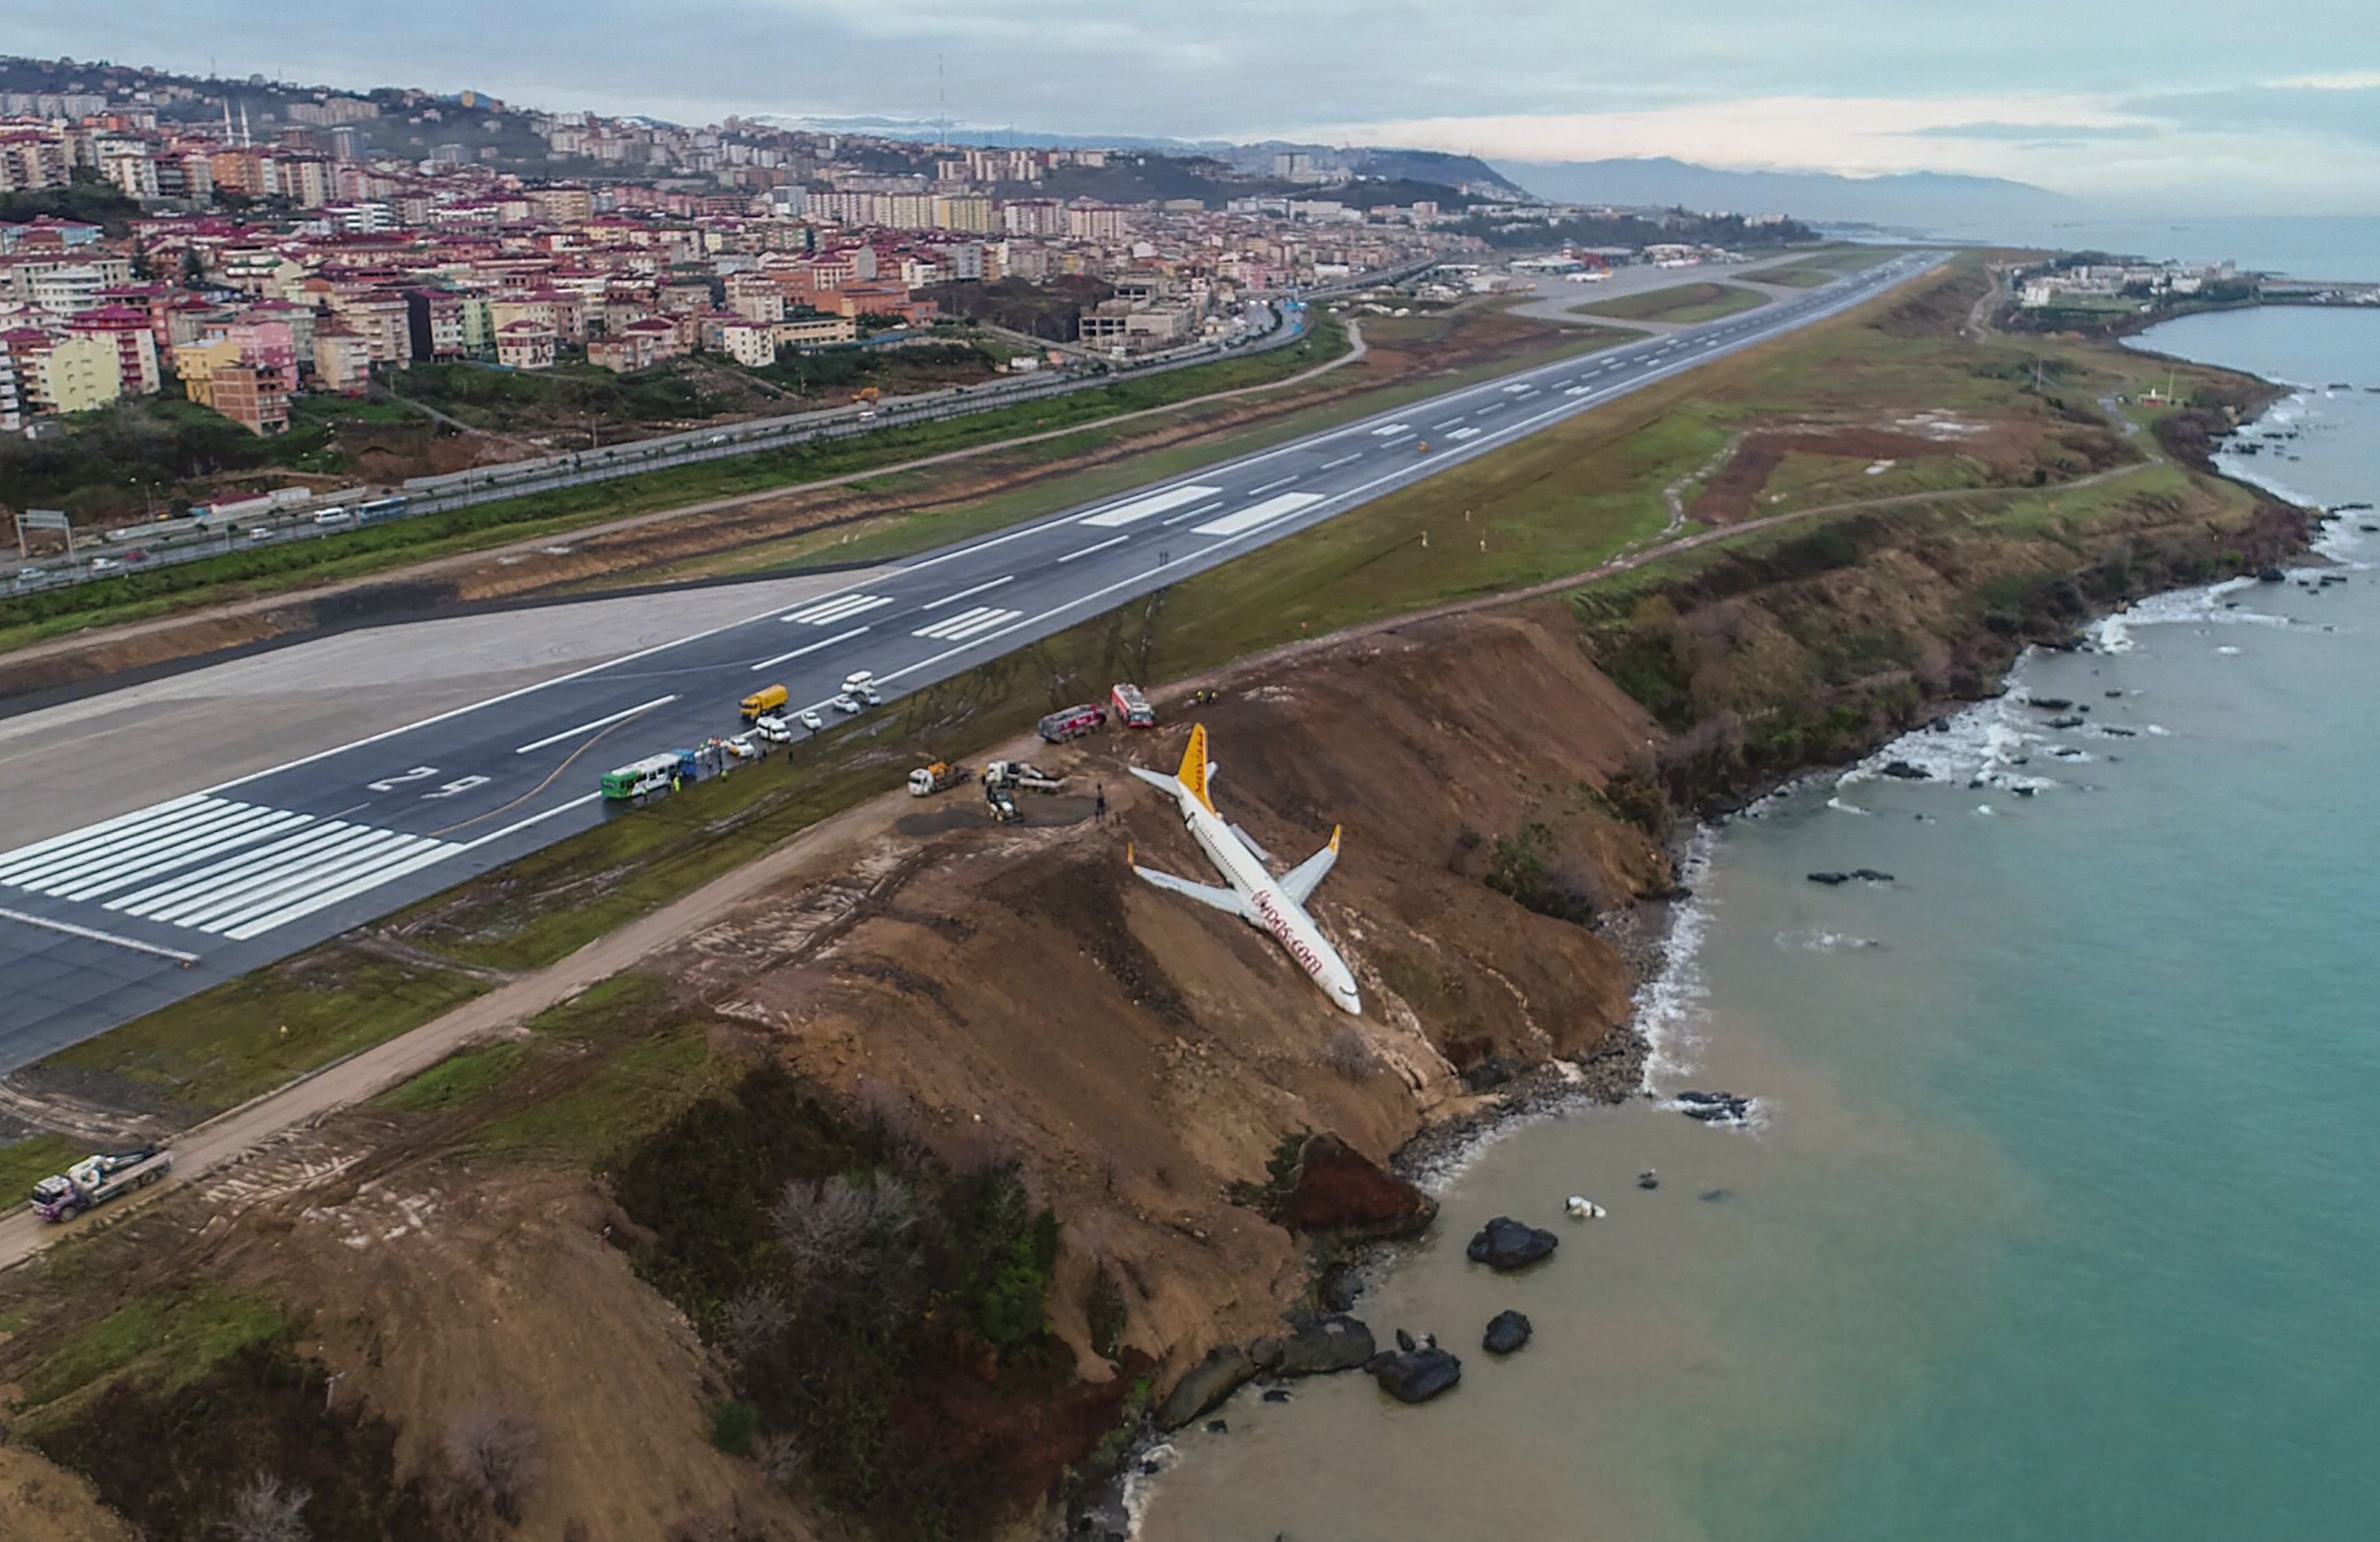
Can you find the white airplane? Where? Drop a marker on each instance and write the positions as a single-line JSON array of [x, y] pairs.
[[1269, 904]]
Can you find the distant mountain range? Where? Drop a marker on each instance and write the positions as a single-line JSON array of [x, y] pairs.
[[1905, 198], [1255, 160]]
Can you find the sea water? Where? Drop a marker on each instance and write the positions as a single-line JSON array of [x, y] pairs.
[[2058, 1212]]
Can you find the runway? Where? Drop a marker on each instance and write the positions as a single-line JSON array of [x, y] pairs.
[[244, 864]]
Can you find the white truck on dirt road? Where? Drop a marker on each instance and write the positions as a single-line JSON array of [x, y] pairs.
[[1022, 776], [97, 1179]]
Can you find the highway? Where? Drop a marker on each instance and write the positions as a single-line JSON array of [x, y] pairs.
[[105, 923], [1263, 327]]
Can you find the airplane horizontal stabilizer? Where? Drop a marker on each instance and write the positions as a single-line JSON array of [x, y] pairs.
[[1301, 881], [1250, 841]]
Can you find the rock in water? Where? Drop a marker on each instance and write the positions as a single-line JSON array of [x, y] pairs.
[[1504, 1244], [1830, 878], [1336, 1343], [1415, 1375], [1902, 771], [1336, 1190], [1506, 1332], [1405, 1341], [1714, 1108], [1341, 1288], [1213, 1379]]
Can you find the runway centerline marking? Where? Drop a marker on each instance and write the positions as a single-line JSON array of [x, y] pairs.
[[598, 722], [966, 593], [1101, 546], [812, 647]]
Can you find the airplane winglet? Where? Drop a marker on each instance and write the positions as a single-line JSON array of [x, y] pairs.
[[1334, 837]]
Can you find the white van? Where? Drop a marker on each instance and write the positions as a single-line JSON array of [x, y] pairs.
[[332, 517]]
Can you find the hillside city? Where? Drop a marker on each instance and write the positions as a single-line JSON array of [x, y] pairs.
[[245, 246]]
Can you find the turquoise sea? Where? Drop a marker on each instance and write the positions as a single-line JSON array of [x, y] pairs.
[[2059, 1214]]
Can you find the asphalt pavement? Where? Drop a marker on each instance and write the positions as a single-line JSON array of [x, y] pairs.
[[103, 923]]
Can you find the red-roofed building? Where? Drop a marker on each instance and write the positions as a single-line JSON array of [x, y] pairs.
[[136, 347]]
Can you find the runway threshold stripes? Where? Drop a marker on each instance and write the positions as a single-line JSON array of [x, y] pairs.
[[968, 624], [218, 866]]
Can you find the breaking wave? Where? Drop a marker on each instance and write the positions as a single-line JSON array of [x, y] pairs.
[[1670, 1005]]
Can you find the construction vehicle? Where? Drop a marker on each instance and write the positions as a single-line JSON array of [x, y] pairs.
[[1132, 707], [1021, 776], [97, 1179], [1003, 807], [760, 703], [926, 781], [1072, 723]]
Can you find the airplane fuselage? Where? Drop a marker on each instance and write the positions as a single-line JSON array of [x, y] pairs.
[[1268, 907]]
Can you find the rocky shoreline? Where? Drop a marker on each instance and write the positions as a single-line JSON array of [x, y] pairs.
[[1507, 1098]]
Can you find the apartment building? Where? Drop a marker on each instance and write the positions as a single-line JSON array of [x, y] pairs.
[[255, 399]]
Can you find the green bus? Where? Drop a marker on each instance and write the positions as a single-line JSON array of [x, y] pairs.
[[653, 774]]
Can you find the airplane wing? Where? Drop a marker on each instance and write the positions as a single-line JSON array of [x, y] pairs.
[[1225, 900], [1306, 877]]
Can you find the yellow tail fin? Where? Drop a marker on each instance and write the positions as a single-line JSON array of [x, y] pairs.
[[1193, 773]]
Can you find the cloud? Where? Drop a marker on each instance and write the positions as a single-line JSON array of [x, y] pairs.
[[2108, 101], [1854, 135], [2340, 110]]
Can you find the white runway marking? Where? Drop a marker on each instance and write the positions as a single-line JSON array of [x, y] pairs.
[[1342, 460], [1260, 492], [1154, 503], [1387, 428], [216, 865], [1464, 433], [598, 722], [830, 642], [966, 623], [1111, 540], [966, 593], [1257, 513], [93, 934], [830, 611]]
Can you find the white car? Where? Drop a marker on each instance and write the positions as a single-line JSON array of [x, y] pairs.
[[847, 704], [808, 718], [772, 729], [105, 565]]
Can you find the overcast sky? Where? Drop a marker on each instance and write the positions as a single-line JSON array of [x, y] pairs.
[[2182, 108]]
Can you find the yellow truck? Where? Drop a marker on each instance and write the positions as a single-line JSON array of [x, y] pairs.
[[760, 703]]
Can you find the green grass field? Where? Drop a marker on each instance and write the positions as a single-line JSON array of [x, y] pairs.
[[1682, 304], [249, 1036], [166, 1339]]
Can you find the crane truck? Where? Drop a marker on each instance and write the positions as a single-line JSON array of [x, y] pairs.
[[97, 1179], [926, 781]]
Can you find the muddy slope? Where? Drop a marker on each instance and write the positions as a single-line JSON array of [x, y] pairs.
[[1141, 1054]]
